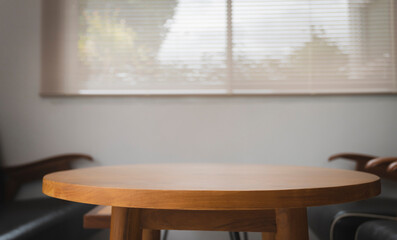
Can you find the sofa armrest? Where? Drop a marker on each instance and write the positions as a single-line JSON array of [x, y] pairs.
[[359, 158], [392, 167], [17, 175], [390, 162], [385, 167]]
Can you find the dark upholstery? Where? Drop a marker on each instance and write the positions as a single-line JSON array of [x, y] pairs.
[[321, 218], [42, 219], [2, 186], [378, 230]]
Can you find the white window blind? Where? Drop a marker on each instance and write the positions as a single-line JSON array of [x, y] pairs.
[[218, 46]]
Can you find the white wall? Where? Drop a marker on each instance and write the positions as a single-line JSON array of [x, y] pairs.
[[117, 130], [274, 130]]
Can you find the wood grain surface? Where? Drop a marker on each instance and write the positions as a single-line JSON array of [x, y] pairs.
[[98, 218], [215, 220], [210, 186]]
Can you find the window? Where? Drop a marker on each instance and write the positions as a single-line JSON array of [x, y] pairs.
[[218, 46]]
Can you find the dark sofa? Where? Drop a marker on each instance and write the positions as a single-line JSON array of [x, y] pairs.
[[341, 221], [371, 219], [44, 218], [378, 229]]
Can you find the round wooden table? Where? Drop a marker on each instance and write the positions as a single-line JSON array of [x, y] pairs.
[[220, 197]]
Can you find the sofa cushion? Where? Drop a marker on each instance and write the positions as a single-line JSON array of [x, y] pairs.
[[2, 185], [378, 230], [28, 218], [343, 218]]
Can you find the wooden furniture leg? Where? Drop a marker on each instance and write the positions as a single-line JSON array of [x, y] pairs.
[[279, 224], [268, 236], [149, 234], [125, 224], [291, 224]]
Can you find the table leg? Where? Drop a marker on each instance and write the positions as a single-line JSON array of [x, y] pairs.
[[268, 236], [291, 224], [149, 234], [125, 224]]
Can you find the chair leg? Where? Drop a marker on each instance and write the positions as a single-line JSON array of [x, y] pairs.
[[236, 235], [165, 235], [231, 235], [245, 235]]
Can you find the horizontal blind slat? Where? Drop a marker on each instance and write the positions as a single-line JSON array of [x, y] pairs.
[[277, 46]]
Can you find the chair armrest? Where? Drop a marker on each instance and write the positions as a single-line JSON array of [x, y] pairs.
[[392, 167], [357, 157], [360, 159], [381, 161], [17, 175], [385, 167]]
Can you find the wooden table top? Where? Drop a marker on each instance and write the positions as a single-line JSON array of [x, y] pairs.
[[210, 186]]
